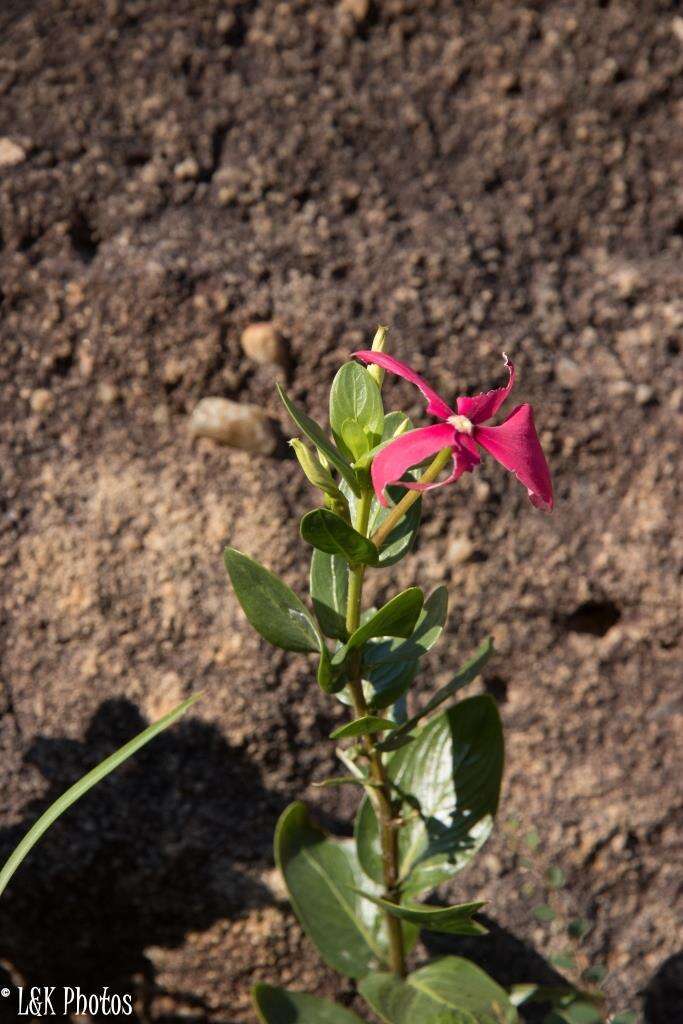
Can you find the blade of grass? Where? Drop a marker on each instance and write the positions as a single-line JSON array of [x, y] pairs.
[[76, 791]]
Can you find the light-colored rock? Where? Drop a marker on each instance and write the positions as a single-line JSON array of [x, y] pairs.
[[41, 400], [568, 373], [460, 550], [644, 394], [11, 153], [262, 343], [233, 423], [358, 9], [187, 170]]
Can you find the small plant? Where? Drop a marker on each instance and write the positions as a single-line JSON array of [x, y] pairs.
[[429, 781]]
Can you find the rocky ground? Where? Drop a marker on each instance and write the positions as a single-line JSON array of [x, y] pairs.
[[482, 177]]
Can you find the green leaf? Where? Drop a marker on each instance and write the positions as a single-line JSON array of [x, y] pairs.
[[450, 778], [354, 441], [396, 618], [316, 434], [532, 839], [355, 399], [387, 682], [448, 991], [427, 631], [278, 1006], [402, 537], [467, 674], [328, 532], [456, 920], [555, 877], [362, 727], [544, 913], [272, 608], [578, 928], [565, 961], [628, 1017], [329, 587], [579, 1012], [596, 973], [329, 679], [81, 787], [321, 875]]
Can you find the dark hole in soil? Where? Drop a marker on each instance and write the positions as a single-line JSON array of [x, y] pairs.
[[82, 237], [593, 617]]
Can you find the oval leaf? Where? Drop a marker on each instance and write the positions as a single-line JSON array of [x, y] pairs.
[[355, 398], [321, 875], [449, 991], [272, 608], [396, 618], [278, 1006], [402, 537], [329, 587], [315, 433], [362, 727], [450, 776], [328, 532]]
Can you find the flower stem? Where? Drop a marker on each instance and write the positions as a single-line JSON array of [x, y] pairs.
[[410, 497], [381, 797]]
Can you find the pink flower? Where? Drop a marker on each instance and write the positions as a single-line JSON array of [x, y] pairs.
[[514, 442]]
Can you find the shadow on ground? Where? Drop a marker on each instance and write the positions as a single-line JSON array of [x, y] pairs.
[[510, 960], [150, 854]]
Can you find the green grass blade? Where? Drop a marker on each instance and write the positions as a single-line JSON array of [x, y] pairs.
[[78, 789]]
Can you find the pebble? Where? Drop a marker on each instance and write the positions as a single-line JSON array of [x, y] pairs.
[[460, 550], [644, 394], [187, 170], [41, 400], [262, 343], [11, 153], [358, 9], [568, 373], [233, 423]]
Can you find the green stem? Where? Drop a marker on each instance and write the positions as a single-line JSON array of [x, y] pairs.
[[410, 497], [382, 793]]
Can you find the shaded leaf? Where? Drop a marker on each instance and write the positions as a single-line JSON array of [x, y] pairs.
[[272, 608], [450, 778], [396, 618], [316, 434], [544, 913], [428, 629], [321, 874], [362, 727], [81, 787], [328, 532], [448, 991], [456, 920], [329, 586], [279, 1006], [467, 674]]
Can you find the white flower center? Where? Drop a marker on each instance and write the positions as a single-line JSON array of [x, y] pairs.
[[461, 424]]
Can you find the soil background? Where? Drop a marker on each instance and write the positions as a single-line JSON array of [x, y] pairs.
[[483, 177]]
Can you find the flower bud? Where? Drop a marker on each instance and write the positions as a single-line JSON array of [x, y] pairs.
[[314, 471], [379, 343]]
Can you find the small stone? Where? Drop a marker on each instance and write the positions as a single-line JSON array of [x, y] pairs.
[[262, 343], [460, 550], [239, 425], [41, 400], [568, 373], [644, 394], [11, 153], [187, 170], [107, 393], [358, 9]]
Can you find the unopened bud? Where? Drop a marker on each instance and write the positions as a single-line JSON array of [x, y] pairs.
[[314, 471], [378, 345]]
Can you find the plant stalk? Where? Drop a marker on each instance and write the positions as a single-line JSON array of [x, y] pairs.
[[382, 794], [410, 497]]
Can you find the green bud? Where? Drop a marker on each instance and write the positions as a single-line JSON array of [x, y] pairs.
[[314, 471], [379, 343]]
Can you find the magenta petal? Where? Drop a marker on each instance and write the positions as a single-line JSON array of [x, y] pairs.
[[389, 465], [480, 408], [516, 446], [436, 406]]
